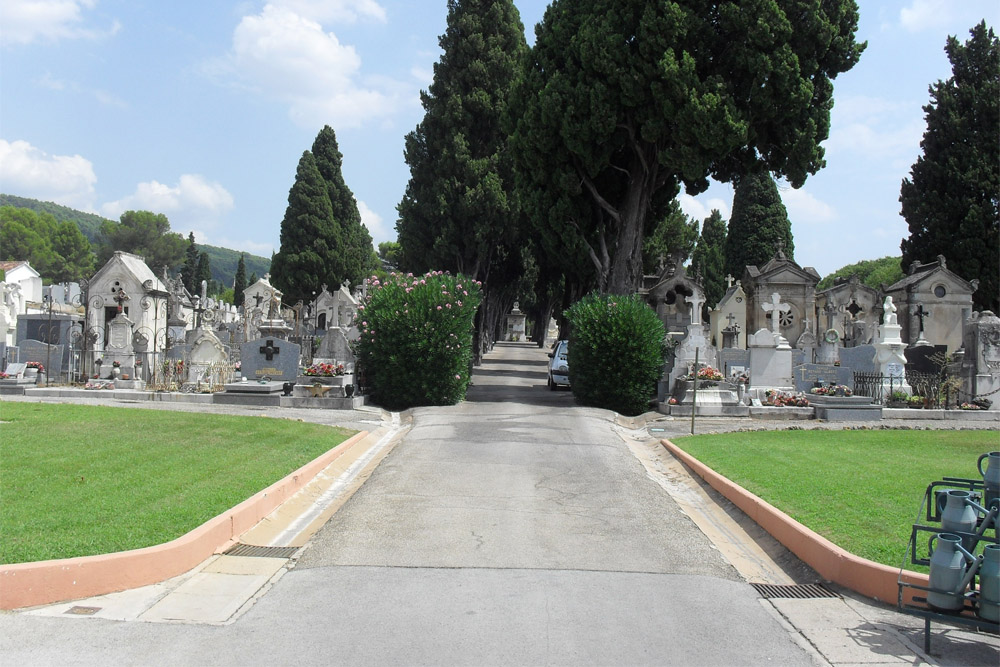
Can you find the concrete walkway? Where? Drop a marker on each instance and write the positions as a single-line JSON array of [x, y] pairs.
[[515, 528]]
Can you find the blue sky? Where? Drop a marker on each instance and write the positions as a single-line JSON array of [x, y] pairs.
[[201, 110]]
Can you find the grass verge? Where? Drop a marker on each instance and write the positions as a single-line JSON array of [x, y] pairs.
[[81, 480], [862, 490]]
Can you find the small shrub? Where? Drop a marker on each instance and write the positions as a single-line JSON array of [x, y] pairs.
[[416, 338], [616, 352]]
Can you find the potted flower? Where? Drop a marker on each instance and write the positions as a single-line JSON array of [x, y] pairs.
[[916, 402], [116, 369], [898, 399], [33, 368]]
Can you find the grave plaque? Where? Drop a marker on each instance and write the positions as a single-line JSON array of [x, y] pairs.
[[50, 356], [730, 358], [807, 375], [273, 358], [859, 359], [16, 370]]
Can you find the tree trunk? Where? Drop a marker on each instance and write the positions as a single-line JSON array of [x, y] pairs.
[[626, 262]]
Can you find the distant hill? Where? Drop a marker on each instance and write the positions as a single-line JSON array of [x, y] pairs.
[[223, 261]]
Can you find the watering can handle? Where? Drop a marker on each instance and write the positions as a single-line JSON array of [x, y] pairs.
[[930, 549], [979, 463]]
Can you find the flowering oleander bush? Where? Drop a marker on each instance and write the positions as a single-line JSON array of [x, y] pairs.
[[324, 370], [616, 352], [780, 399], [416, 338]]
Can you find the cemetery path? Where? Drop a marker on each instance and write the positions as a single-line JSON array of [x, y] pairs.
[[514, 528]]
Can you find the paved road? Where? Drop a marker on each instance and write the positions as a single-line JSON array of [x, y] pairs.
[[515, 528]]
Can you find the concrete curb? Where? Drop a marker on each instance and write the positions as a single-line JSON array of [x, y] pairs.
[[46, 582], [834, 564]]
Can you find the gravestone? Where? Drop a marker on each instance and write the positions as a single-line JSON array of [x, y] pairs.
[[119, 345], [16, 370], [274, 358], [335, 348], [859, 359], [730, 358], [50, 356], [807, 375], [770, 361], [206, 351], [980, 369], [889, 351]]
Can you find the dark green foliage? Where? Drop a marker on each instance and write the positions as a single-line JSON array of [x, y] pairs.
[[675, 234], [142, 233], [310, 238], [356, 243], [458, 208], [203, 272], [951, 201], [189, 271], [616, 352], [89, 223], [759, 225], [416, 339], [709, 260], [871, 272], [623, 101], [389, 253], [225, 262], [240, 281], [56, 249]]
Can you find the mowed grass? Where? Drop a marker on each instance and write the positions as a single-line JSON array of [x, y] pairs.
[[862, 490], [81, 480]]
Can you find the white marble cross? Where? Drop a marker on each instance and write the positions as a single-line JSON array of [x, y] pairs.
[[696, 301], [729, 280], [776, 308]]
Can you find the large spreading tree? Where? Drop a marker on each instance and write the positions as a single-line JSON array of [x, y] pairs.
[[759, 225], [951, 201], [624, 101], [310, 238], [142, 233], [56, 249]]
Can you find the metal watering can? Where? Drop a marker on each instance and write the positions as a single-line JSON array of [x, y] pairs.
[[950, 576], [989, 584], [991, 477], [959, 513]]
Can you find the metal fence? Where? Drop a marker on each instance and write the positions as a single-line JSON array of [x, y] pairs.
[[880, 387]]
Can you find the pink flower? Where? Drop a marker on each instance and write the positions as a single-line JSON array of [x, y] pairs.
[[439, 307], [447, 305], [458, 377], [459, 303], [464, 293]]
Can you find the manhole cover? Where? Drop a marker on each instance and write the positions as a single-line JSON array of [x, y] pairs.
[[800, 591], [82, 611], [253, 551]]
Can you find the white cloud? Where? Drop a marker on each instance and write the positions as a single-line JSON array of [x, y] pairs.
[[335, 11], [924, 14], [30, 172], [102, 96], [25, 21], [699, 209], [193, 204], [373, 221], [803, 207], [282, 54]]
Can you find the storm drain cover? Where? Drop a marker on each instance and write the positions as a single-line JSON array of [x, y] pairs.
[[82, 611], [800, 591], [253, 551]]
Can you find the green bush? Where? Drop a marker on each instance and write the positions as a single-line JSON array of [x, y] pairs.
[[616, 352], [416, 338]]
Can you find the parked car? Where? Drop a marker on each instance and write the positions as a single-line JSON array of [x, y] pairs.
[[559, 365]]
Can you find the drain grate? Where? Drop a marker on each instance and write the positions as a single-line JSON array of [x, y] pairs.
[[82, 611], [799, 591], [253, 551]]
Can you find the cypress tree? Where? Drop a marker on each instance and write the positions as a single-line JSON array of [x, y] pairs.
[[240, 281], [311, 241], [759, 225], [190, 269], [709, 260], [204, 272], [950, 201], [357, 245]]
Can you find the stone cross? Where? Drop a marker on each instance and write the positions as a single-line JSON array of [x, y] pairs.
[[921, 314], [729, 280], [830, 311], [695, 301], [270, 350], [776, 308], [120, 298], [347, 285], [731, 318]]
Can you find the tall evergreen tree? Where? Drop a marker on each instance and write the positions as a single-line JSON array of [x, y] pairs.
[[458, 209], [951, 202], [759, 225], [240, 281], [204, 272], [189, 271], [709, 259], [623, 102], [311, 241], [356, 242]]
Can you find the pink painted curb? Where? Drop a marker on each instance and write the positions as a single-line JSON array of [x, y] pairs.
[[49, 581], [834, 564]]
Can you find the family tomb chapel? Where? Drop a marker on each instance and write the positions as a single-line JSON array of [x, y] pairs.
[[934, 298], [125, 286], [796, 290]]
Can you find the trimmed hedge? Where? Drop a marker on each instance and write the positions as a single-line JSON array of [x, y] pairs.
[[416, 338], [616, 352]]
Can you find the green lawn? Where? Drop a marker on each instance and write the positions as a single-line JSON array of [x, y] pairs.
[[80, 480], [861, 490]]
